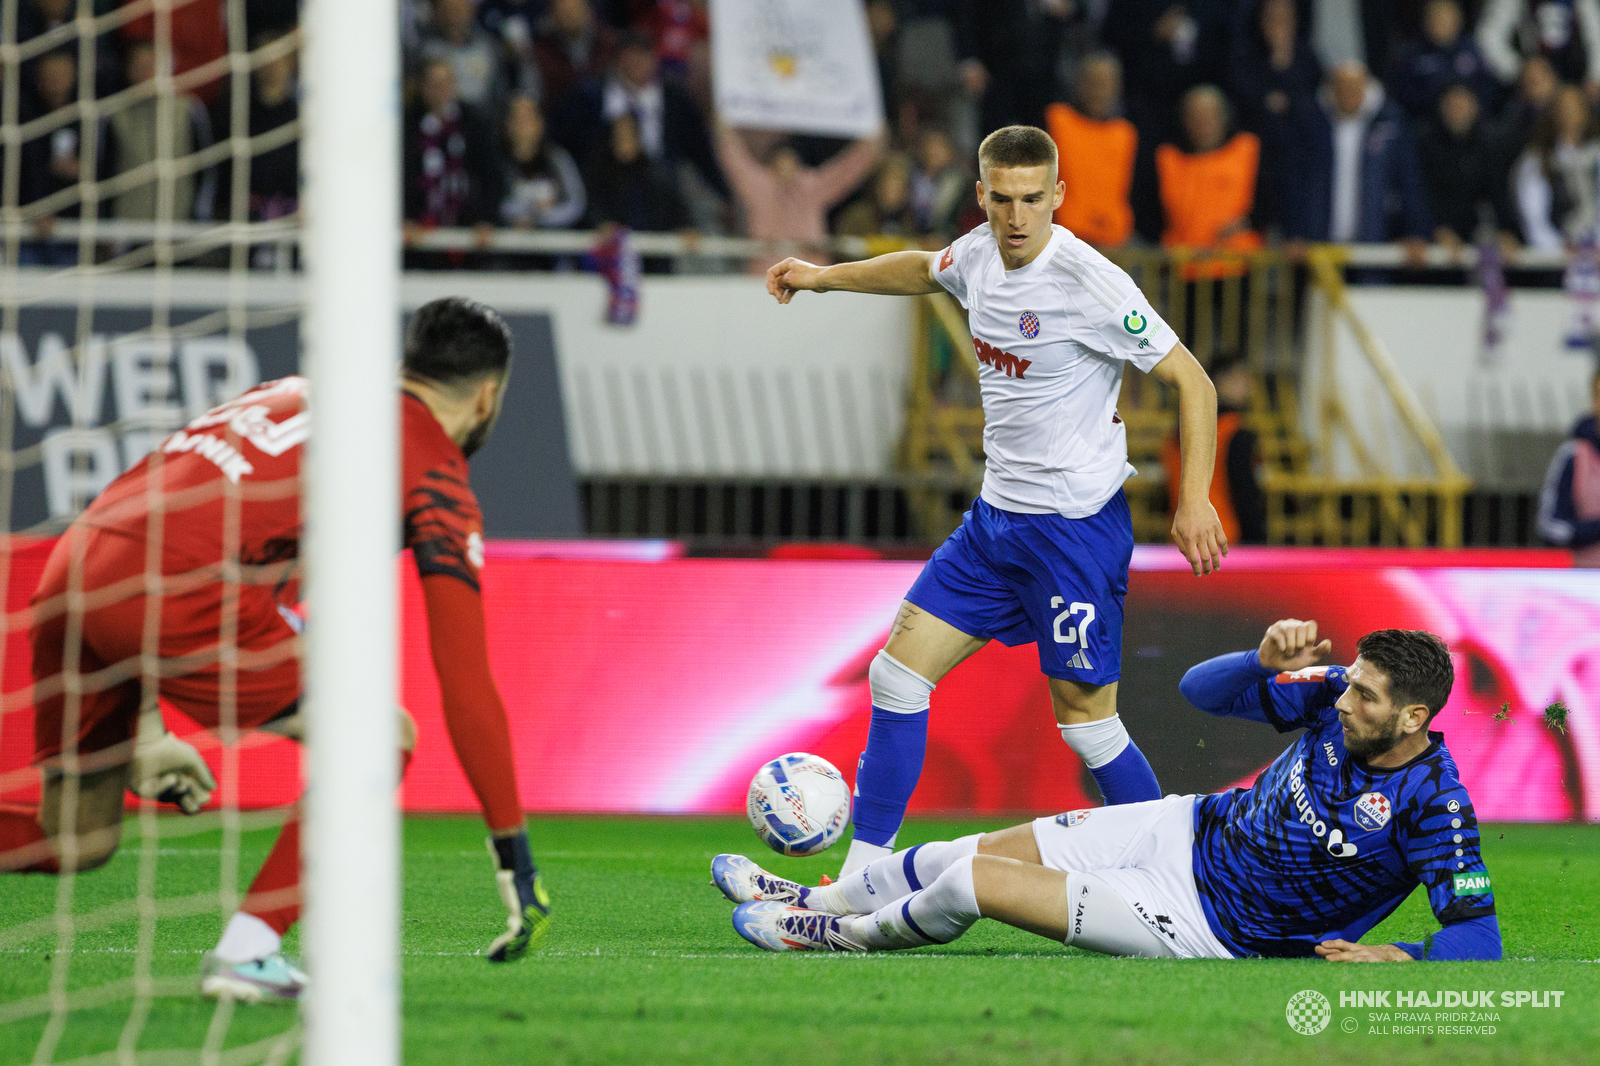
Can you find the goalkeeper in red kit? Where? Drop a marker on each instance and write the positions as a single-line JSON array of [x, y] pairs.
[[221, 497]]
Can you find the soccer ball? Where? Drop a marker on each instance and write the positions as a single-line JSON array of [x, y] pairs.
[[799, 804]]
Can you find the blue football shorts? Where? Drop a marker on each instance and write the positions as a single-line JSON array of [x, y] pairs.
[[1045, 578]]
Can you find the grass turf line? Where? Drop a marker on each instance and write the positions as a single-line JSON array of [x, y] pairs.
[[642, 966]]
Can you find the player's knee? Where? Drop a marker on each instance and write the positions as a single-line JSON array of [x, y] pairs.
[[986, 867], [408, 732], [87, 850], [1075, 703], [95, 828], [896, 687], [995, 883]]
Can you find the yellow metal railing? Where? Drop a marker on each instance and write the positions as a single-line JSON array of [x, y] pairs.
[[1380, 506], [1227, 308]]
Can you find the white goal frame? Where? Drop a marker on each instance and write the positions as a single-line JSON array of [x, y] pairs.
[[350, 157]]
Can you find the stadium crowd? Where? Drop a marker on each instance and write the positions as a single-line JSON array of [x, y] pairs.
[[1201, 123]]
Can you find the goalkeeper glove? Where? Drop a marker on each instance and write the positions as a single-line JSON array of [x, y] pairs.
[[168, 770], [523, 892]]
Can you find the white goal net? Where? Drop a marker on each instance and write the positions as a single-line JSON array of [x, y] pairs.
[[161, 255]]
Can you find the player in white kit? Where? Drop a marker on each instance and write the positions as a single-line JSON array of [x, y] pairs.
[[1043, 554]]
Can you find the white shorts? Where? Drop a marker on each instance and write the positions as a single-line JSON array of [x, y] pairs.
[[1145, 853]]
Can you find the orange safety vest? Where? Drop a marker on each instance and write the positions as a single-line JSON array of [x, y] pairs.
[[1205, 192], [1228, 423], [1096, 163]]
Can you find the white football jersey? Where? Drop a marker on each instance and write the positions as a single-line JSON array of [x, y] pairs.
[[1051, 341]]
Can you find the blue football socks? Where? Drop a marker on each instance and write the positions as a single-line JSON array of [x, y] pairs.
[[888, 773], [1127, 778], [1118, 766]]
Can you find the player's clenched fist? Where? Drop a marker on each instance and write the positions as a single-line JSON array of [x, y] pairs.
[[791, 276], [1197, 531], [1292, 645]]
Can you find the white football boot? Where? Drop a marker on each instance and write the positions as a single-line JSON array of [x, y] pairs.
[[743, 881], [272, 979], [777, 927]]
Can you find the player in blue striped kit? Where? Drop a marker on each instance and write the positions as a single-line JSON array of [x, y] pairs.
[[1362, 808]]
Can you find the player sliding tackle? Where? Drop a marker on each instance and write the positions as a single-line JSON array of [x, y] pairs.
[[223, 494], [1043, 554], [1359, 810]]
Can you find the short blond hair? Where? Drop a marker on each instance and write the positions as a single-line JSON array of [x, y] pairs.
[[1017, 146]]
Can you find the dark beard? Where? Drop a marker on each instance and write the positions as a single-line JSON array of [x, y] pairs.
[[475, 439], [1367, 747]]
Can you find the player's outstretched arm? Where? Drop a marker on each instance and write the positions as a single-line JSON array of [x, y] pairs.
[[1196, 529], [1474, 939], [894, 274], [1230, 685], [475, 718]]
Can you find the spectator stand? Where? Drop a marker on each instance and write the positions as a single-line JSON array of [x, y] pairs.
[[1383, 507], [114, 245], [1281, 316]]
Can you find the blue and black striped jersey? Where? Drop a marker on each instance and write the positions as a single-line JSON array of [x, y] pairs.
[[1323, 846]]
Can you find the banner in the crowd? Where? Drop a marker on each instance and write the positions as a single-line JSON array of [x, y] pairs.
[[801, 65], [640, 681]]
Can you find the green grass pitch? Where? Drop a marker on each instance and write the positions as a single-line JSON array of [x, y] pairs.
[[643, 966]]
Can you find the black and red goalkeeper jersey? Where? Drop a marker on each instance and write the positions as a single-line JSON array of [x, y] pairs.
[[442, 524], [245, 457], [255, 442]]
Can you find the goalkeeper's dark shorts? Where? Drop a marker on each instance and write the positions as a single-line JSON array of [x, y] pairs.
[[97, 649]]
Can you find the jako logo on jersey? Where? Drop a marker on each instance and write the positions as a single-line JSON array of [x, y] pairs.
[[1072, 818], [1302, 802], [1028, 324], [988, 353], [1372, 811], [1327, 746], [1134, 323], [947, 258]]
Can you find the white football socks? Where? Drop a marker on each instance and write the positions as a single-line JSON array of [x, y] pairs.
[[1097, 743], [890, 878], [247, 938], [861, 853], [936, 915]]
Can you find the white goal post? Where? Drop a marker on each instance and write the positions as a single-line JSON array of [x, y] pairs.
[[351, 163]]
